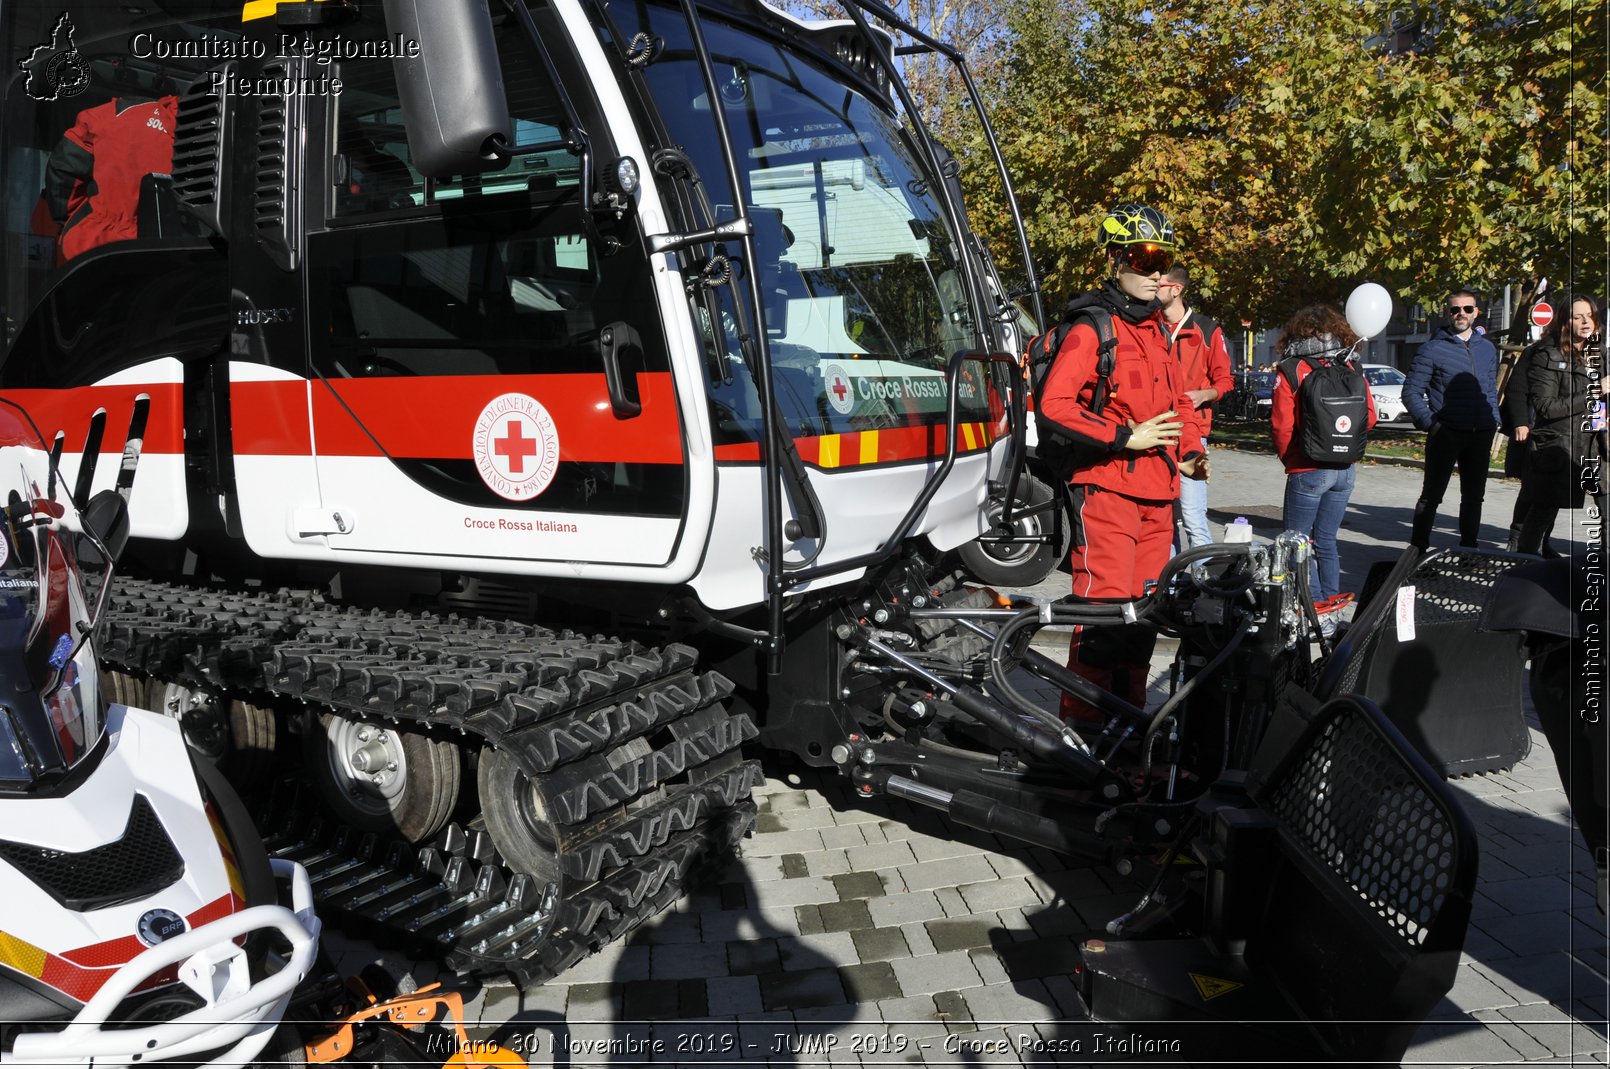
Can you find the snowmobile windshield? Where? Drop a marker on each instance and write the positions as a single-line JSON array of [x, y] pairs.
[[50, 701], [859, 267]]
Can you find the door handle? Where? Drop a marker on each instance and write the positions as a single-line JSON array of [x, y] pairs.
[[617, 343]]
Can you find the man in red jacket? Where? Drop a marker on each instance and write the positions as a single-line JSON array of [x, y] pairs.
[[1198, 343], [92, 181], [1132, 451]]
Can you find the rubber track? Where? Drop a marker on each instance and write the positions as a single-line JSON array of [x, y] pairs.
[[635, 830]]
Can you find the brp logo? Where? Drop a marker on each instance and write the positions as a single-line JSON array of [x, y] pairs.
[[158, 926], [516, 447], [55, 70]]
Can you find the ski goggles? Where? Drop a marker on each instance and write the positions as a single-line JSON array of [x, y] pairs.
[[1148, 259]]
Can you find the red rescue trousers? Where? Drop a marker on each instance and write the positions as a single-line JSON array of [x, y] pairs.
[[1119, 544]]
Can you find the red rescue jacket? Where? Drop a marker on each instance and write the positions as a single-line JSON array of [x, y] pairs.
[[1146, 380], [92, 181], [1204, 359]]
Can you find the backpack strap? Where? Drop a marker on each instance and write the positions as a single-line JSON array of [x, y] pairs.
[[1089, 308], [1288, 369], [1207, 325], [1106, 358]]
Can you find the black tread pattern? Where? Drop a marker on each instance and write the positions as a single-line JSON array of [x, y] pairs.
[[631, 747]]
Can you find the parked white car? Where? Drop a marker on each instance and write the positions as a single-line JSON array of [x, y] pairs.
[[1386, 384]]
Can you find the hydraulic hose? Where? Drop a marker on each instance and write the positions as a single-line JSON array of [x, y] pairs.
[[1305, 593], [1072, 755], [1166, 710], [1085, 690]]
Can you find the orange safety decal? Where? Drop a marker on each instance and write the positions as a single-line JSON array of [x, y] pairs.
[[861, 449], [434, 417], [81, 972], [70, 411]]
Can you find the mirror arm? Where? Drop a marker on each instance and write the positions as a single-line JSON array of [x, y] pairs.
[[133, 444], [89, 459]]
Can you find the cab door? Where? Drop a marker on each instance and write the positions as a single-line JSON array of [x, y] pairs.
[[458, 337]]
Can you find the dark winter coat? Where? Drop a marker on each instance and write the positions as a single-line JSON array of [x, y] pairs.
[[1453, 382], [1516, 408], [1562, 445]]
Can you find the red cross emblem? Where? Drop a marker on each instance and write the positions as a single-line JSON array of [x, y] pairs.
[[515, 448], [840, 394]]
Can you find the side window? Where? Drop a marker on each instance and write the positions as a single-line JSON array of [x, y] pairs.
[[374, 171], [478, 295]]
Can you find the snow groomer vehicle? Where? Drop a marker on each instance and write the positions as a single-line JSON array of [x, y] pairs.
[[587, 393]]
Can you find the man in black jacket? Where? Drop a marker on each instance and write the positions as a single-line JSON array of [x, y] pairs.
[[1451, 393]]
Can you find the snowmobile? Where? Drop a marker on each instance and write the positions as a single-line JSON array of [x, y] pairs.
[[142, 917]]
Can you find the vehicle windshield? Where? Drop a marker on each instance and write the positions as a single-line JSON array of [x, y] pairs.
[[861, 280], [1260, 380], [50, 704], [1384, 376]]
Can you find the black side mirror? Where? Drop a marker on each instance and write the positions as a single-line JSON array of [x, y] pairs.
[[107, 518], [452, 90]]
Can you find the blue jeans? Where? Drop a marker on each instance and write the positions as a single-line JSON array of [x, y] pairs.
[[1315, 503], [1193, 513]]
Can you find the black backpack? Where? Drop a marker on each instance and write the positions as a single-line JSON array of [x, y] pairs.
[[1333, 409], [1062, 452]]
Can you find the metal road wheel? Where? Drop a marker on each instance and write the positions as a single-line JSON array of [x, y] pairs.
[[1024, 564], [517, 816], [203, 717], [123, 689], [383, 780]]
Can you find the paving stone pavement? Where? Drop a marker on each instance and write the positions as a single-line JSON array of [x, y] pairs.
[[880, 934]]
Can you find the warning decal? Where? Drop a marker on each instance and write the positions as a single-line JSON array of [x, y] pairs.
[[516, 447], [1211, 987]]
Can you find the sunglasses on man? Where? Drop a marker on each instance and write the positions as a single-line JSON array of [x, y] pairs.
[[1468, 309], [1148, 259]]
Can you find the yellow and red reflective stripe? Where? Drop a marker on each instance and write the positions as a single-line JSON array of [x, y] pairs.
[[854, 449], [21, 955], [869, 447], [81, 972]]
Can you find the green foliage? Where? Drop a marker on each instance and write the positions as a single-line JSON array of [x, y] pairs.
[[1302, 148]]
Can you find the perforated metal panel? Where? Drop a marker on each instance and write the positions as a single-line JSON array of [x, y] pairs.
[[1350, 800], [141, 863], [1449, 587], [1455, 585]]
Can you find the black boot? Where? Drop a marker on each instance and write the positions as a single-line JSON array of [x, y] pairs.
[[1549, 552], [1514, 539]]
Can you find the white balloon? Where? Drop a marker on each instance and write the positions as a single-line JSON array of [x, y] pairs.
[[1369, 308]]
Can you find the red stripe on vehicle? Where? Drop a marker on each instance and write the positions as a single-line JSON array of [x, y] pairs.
[[433, 417], [70, 411], [270, 418]]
